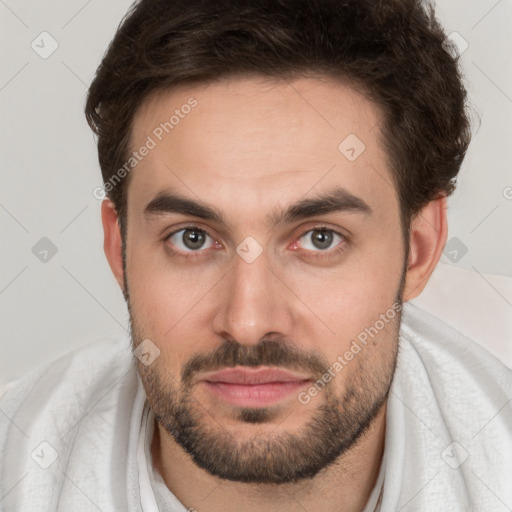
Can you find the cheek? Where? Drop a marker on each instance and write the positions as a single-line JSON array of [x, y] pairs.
[[351, 296], [162, 295], [167, 301], [365, 321], [357, 303]]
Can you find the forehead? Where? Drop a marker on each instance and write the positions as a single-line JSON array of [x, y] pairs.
[[253, 143]]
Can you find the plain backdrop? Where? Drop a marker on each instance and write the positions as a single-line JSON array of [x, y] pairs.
[[53, 301]]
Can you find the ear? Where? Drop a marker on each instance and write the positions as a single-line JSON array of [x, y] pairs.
[[112, 240], [428, 233]]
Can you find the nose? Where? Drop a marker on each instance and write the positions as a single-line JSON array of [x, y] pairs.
[[254, 303]]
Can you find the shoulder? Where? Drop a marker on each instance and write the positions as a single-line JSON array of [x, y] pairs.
[[72, 420], [460, 372], [449, 419], [64, 387], [449, 355]]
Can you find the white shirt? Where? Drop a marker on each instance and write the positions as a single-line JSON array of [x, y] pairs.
[[75, 434]]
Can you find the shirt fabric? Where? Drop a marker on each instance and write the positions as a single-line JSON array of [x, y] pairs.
[[75, 434]]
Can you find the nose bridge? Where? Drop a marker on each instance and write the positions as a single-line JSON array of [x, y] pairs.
[[252, 306]]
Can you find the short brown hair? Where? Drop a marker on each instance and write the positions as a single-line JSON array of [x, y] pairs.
[[393, 50]]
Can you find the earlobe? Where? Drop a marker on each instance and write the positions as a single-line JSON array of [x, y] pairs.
[[428, 234], [112, 242]]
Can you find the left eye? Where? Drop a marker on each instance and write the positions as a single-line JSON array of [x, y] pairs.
[[320, 239], [190, 239]]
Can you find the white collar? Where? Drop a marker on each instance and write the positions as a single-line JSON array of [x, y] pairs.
[[147, 495]]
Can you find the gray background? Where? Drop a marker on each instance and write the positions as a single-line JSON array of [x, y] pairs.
[[50, 303]]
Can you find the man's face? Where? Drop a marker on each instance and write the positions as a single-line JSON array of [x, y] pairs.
[[255, 289]]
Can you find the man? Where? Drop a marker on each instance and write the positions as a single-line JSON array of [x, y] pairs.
[[276, 176]]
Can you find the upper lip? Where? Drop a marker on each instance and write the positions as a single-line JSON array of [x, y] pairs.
[[239, 375]]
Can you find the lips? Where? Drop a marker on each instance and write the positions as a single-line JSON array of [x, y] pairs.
[[250, 376], [253, 387]]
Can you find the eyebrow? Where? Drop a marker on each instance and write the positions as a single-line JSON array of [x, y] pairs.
[[332, 201]]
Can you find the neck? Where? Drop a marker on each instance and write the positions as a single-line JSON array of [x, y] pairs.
[[344, 486]]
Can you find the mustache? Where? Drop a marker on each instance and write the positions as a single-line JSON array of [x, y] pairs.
[[265, 353]]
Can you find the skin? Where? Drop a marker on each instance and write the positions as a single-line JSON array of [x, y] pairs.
[[251, 148]]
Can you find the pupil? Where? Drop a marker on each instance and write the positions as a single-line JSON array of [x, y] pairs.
[[322, 239], [193, 238]]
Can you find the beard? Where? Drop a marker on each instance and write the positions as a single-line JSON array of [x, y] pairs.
[[338, 422]]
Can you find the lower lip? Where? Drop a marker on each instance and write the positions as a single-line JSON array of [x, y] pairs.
[[254, 395]]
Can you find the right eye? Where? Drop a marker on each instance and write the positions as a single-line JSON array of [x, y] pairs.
[[190, 239]]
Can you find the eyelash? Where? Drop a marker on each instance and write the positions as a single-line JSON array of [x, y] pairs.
[[313, 254]]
